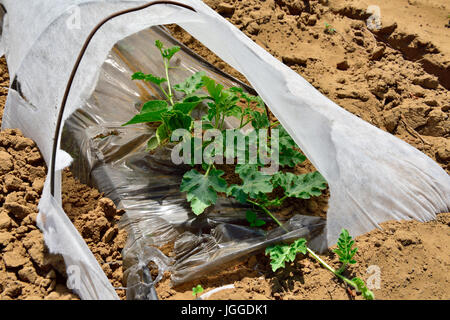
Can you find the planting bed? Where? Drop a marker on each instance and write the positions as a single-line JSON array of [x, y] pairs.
[[396, 79]]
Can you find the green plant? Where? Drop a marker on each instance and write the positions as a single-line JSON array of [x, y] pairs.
[[197, 290], [253, 219], [344, 250], [329, 29], [281, 253], [202, 188], [256, 188]]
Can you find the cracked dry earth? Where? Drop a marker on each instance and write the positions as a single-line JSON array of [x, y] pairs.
[[396, 78], [27, 269]]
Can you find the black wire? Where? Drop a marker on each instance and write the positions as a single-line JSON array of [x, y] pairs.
[[147, 277], [75, 69]]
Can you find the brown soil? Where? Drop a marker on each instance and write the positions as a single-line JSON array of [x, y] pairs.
[[4, 85], [396, 79], [412, 260], [27, 270], [95, 217]]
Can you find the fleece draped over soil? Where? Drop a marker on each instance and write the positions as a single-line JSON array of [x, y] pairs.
[[396, 79]]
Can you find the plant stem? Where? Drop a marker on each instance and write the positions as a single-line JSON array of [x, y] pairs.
[[166, 66], [268, 212], [331, 269], [248, 121], [209, 169], [222, 124], [217, 118], [165, 93], [342, 268], [275, 124], [241, 125]]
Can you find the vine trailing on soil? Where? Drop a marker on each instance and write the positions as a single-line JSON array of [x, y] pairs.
[[257, 186], [281, 253]]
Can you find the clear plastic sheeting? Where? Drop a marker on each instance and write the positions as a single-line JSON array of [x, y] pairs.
[[146, 185], [373, 176]]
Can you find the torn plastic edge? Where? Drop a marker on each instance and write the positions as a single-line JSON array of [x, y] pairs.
[[85, 276]]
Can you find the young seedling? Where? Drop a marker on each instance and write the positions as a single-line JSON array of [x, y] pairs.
[[345, 251], [197, 290], [329, 29], [281, 253]]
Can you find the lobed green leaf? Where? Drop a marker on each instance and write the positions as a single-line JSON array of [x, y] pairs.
[[254, 181], [176, 119], [260, 120], [214, 90], [237, 192], [149, 78], [290, 157], [281, 253], [300, 186], [344, 248], [154, 106], [191, 84], [253, 219], [146, 117], [202, 189], [188, 104], [166, 53]]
